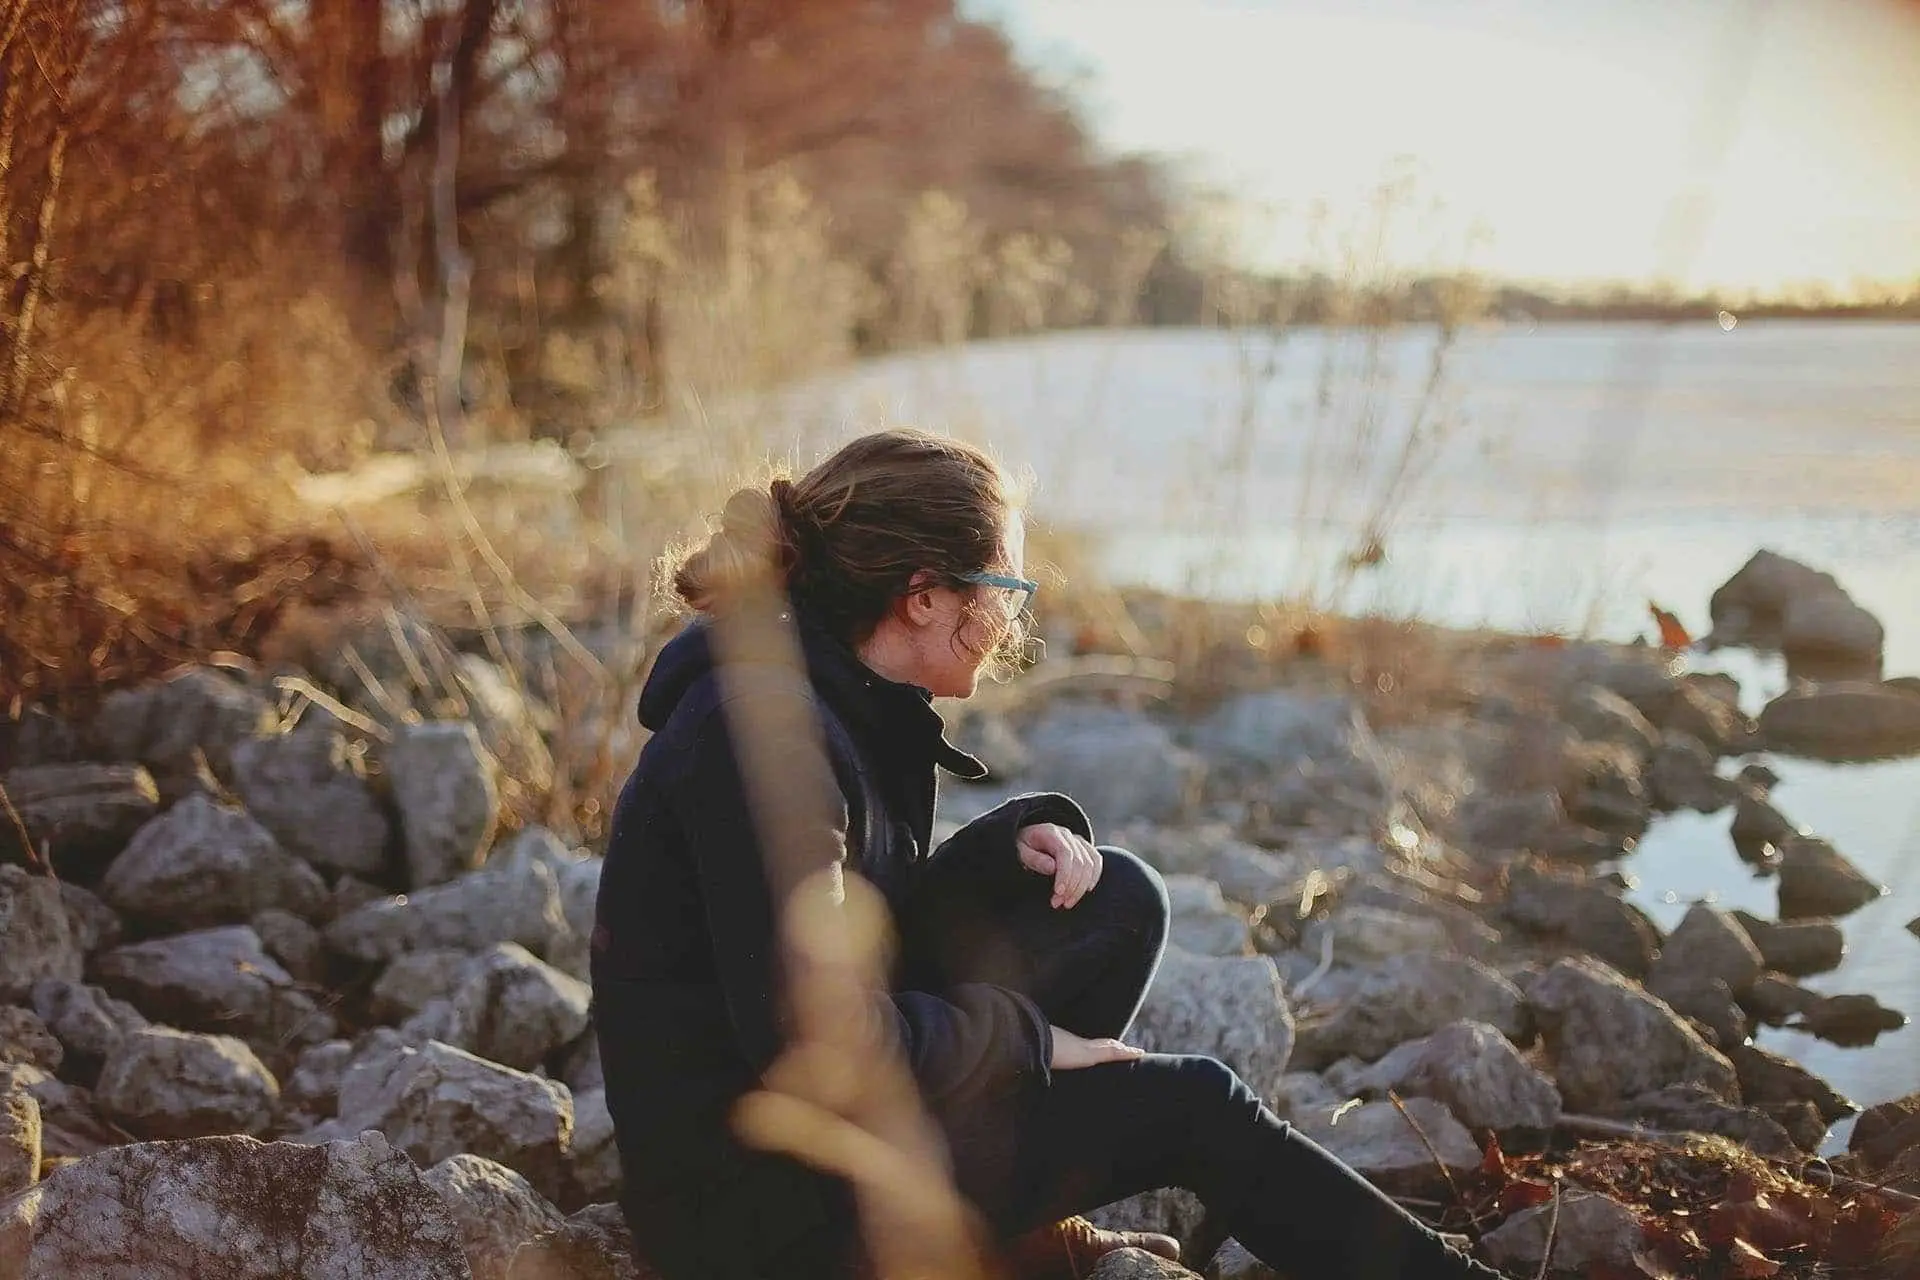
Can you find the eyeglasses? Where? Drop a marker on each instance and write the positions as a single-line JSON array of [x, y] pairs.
[[1020, 590]]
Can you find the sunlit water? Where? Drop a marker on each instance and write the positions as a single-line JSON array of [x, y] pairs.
[[1586, 470]]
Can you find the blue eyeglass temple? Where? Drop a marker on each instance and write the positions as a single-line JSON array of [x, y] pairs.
[[1001, 580]]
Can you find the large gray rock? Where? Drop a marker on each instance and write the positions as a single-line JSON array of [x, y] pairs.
[[94, 924], [444, 785], [1586, 913], [1607, 1039], [1767, 1079], [1796, 947], [1759, 830], [1471, 1068], [20, 1147], [1682, 774], [1363, 934], [292, 941], [511, 899], [496, 1208], [1120, 765], [162, 1083], [80, 814], [596, 1160], [1815, 880], [304, 788], [1408, 997], [1708, 944], [1600, 714], [163, 725], [1273, 728], [1246, 873], [413, 980], [87, 1021], [1229, 1008], [218, 980], [1777, 603], [578, 878], [36, 938], [1586, 1230], [1843, 721], [314, 1083], [1693, 1108], [201, 864], [1603, 788], [593, 1244], [1851, 1020], [513, 1009], [1202, 922], [1382, 1144], [25, 1038], [237, 1209], [437, 1101], [1706, 1001]]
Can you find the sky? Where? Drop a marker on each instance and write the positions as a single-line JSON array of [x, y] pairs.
[[1734, 144]]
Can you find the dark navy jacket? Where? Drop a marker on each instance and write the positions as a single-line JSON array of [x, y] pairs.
[[685, 974]]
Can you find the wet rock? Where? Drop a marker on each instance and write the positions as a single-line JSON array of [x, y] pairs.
[[95, 925], [1802, 1122], [218, 980], [314, 1084], [163, 725], [1885, 1131], [1702, 712], [596, 1160], [36, 938], [1601, 715], [1846, 721], [20, 1148], [1796, 947], [1709, 944], [437, 1101], [1815, 880], [1120, 765], [1760, 831], [1913, 926], [1588, 1232], [1780, 604], [25, 1038], [220, 1207], [444, 786], [1757, 778], [201, 864], [593, 1244], [304, 788], [512, 899], [86, 1021], [1585, 913], [497, 1210], [513, 1009], [1682, 775], [1470, 1067], [1408, 997], [1705, 1001], [1382, 1144], [1851, 1020], [292, 941], [1692, 1108], [415, 979], [1230, 1008], [1767, 1078], [80, 814], [1607, 1039], [1776, 1000], [1202, 923], [162, 1083]]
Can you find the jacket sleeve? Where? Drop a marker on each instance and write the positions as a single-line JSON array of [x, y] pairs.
[[976, 1037], [983, 858]]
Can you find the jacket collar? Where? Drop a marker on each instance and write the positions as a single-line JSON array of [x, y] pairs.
[[887, 712]]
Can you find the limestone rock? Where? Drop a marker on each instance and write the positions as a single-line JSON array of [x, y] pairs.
[[1600, 714], [1682, 775], [1607, 1039], [201, 864], [292, 941], [415, 979], [1379, 1143], [513, 899], [1709, 943], [444, 785], [1202, 922], [1120, 765], [596, 1160], [162, 725], [1760, 831], [303, 787], [94, 924], [314, 1083], [36, 938], [81, 814], [87, 1021], [1696, 1109], [1588, 1231], [1137, 1264], [1586, 913], [513, 1009], [593, 1244], [20, 1148], [1767, 1078], [1408, 997], [25, 1038], [1230, 1008], [496, 1209], [218, 980], [162, 1083], [1780, 604], [1471, 1068]]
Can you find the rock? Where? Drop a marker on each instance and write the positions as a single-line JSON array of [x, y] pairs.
[[1364, 935], [1202, 923], [1411, 996], [511, 723], [1682, 775], [1845, 721], [1705, 1001], [1605, 790], [292, 941], [1816, 881], [70, 1124], [1589, 1232], [1499, 824], [80, 814], [36, 938], [94, 925], [988, 738], [1300, 1091], [1600, 714], [1231, 1261], [415, 979], [1776, 1000], [1136, 1264], [1777, 603], [350, 893], [1585, 913], [86, 1021], [1272, 728], [1379, 1143], [201, 864], [162, 1083], [1801, 1121], [1766, 1077], [581, 1065], [1885, 1131], [444, 786], [314, 1083], [1229, 1008], [1606, 1039], [579, 884], [1709, 944], [1851, 1020], [437, 1101], [33, 736], [1470, 1067], [1696, 1109], [25, 1038], [1120, 765], [1701, 712], [218, 980], [305, 789], [496, 1209], [513, 1009], [20, 1148], [513, 899], [1244, 872], [596, 1160], [1913, 926], [593, 1244], [237, 1209], [1795, 947], [1760, 831]]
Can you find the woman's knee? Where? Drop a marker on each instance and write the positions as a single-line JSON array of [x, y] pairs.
[[1133, 891]]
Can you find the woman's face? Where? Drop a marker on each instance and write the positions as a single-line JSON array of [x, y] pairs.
[[964, 624]]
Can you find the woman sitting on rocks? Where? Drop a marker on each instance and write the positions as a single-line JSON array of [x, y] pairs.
[[1024, 949]]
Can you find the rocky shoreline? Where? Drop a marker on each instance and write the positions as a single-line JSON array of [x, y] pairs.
[[299, 977]]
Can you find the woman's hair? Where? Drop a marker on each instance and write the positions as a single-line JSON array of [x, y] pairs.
[[846, 539]]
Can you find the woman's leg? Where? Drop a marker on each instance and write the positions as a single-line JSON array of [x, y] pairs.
[[1103, 1133]]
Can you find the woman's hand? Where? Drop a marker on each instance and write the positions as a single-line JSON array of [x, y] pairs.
[[1071, 1051], [1050, 849]]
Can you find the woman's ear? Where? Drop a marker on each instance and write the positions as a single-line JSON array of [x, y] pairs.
[[919, 604]]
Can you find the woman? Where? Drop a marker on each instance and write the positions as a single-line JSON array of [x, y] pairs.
[[1024, 949]]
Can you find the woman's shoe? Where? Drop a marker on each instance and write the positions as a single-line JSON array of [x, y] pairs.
[[1071, 1248]]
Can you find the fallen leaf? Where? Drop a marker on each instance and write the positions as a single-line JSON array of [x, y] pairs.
[[1522, 1193], [1493, 1161], [1744, 1262]]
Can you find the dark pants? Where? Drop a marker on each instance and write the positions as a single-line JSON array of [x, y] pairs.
[[1100, 1134]]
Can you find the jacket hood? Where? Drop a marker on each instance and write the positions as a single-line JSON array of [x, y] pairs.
[[680, 664]]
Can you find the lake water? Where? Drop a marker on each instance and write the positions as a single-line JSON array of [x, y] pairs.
[[1577, 472]]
